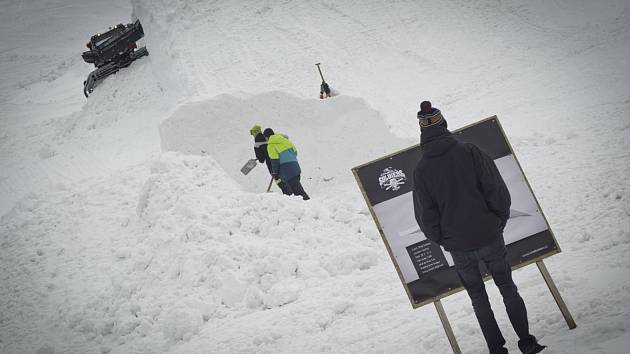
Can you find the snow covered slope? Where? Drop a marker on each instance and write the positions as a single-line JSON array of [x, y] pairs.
[[51, 136], [126, 227]]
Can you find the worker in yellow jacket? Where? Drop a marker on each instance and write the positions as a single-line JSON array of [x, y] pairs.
[[284, 164]]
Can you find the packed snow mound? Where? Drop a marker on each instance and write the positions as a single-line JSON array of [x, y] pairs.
[[182, 247], [255, 240], [331, 135]]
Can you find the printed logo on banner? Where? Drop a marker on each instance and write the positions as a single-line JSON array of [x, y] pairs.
[[392, 179]]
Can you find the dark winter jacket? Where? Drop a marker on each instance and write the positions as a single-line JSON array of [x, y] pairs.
[[461, 201], [260, 149]]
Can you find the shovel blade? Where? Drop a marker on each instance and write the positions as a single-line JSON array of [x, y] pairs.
[[248, 166]]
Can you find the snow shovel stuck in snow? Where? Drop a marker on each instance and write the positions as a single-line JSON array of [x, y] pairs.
[[248, 166], [324, 89]]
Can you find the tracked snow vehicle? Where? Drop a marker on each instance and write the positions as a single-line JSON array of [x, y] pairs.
[[112, 51]]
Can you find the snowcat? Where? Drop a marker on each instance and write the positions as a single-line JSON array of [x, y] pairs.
[[112, 51]]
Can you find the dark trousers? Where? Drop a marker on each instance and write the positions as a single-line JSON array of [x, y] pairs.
[[284, 187], [296, 187], [494, 257]]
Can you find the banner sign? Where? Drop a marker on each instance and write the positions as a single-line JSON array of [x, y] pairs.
[[426, 269]]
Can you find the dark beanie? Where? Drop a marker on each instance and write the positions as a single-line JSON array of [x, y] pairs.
[[268, 132], [429, 116]]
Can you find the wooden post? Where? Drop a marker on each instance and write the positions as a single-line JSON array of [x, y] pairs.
[[447, 327], [556, 295]]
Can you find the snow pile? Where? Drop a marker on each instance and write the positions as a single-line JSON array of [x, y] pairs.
[[331, 136], [248, 250], [192, 249]]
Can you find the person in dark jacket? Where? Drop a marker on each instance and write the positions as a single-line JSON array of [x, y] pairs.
[[260, 149], [462, 203], [284, 164]]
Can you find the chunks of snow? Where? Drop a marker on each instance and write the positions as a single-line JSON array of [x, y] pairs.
[[231, 291], [181, 323], [283, 292], [47, 349]]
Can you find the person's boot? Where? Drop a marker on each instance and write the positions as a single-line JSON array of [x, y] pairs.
[[537, 349], [530, 346]]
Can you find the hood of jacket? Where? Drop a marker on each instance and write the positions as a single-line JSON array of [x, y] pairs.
[[436, 141]]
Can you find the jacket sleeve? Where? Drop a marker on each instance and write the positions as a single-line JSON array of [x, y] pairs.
[[426, 211], [259, 149], [260, 155], [491, 185], [274, 158]]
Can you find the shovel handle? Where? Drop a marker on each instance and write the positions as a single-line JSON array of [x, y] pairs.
[[320, 72], [269, 186]]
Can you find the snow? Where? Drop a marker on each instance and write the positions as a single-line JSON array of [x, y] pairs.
[[126, 226], [342, 127]]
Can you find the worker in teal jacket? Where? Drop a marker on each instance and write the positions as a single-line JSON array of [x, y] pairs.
[[284, 164]]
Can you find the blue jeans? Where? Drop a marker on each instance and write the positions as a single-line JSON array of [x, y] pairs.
[[494, 257]]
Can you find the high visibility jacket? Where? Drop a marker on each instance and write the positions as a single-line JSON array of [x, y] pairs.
[[283, 156]]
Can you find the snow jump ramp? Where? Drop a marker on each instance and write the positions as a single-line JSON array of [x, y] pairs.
[[331, 135]]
